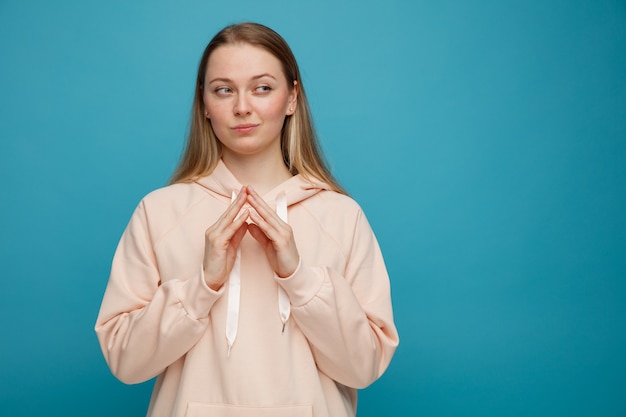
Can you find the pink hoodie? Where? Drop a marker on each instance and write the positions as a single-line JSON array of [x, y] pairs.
[[159, 319]]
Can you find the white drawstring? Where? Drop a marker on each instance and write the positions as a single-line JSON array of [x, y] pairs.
[[234, 285], [234, 293], [284, 306]]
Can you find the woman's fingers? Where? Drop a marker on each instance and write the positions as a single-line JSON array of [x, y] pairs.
[[258, 235], [264, 216], [274, 235], [228, 222], [239, 234], [278, 232], [233, 227], [222, 240], [234, 208]]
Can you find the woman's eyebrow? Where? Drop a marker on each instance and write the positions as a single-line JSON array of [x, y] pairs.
[[228, 80], [256, 77]]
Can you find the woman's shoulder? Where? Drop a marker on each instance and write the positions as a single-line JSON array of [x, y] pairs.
[[168, 192], [173, 197], [336, 215], [333, 200], [334, 209], [165, 207]]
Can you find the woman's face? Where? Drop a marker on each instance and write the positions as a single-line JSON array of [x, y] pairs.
[[247, 97]]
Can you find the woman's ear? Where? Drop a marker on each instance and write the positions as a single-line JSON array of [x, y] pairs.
[[293, 99]]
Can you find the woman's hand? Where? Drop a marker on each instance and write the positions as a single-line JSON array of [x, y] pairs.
[[222, 240], [274, 235]]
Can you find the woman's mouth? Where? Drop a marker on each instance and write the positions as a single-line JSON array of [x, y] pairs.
[[245, 128]]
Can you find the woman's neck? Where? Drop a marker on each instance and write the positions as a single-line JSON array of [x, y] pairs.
[[262, 172]]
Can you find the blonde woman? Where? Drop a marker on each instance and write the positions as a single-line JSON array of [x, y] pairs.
[[252, 285]]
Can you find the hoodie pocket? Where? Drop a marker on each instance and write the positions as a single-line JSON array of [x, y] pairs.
[[226, 410]]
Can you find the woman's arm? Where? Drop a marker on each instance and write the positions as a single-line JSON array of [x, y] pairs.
[[144, 325], [347, 317]]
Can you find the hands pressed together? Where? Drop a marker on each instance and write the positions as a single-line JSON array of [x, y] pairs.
[[223, 238]]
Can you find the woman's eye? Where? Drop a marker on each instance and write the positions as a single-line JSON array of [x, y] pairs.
[[263, 89], [223, 91]]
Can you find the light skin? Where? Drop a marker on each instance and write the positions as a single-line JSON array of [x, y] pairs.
[[246, 98]]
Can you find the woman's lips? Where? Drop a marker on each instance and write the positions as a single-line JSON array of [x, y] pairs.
[[245, 128]]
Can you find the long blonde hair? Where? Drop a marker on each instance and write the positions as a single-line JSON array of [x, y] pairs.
[[300, 148]]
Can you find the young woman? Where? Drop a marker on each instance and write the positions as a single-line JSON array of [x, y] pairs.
[[252, 285]]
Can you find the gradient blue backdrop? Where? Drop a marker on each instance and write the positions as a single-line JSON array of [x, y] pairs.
[[486, 141]]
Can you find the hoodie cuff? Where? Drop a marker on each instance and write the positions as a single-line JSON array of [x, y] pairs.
[[302, 285], [197, 297]]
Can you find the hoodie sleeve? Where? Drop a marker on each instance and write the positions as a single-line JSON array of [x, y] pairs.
[[347, 317], [144, 326]]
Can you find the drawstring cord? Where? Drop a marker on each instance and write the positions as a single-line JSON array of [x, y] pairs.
[[234, 294], [284, 306]]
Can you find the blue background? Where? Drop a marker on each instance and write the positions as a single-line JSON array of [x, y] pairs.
[[486, 141]]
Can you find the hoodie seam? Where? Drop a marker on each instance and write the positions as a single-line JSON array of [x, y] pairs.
[[177, 223], [209, 192], [322, 227]]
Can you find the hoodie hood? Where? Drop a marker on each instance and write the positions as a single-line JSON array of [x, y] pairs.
[[296, 189]]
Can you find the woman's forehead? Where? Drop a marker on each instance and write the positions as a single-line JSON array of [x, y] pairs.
[[242, 61]]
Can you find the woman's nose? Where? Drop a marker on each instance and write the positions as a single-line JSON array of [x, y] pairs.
[[242, 105]]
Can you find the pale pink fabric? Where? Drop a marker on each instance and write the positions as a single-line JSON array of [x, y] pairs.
[[159, 319]]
